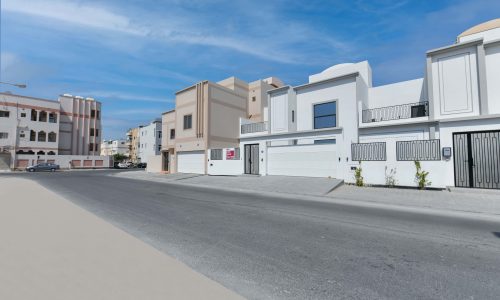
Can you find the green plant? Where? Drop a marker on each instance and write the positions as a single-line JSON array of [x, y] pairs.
[[390, 178], [421, 176], [119, 157], [358, 176]]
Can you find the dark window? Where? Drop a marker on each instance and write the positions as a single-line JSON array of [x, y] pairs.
[[23, 115], [293, 116], [91, 147], [52, 137], [254, 99], [97, 115], [92, 132], [96, 147], [159, 134], [52, 118], [32, 135], [4, 114], [325, 115], [325, 141], [216, 154], [92, 113], [418, 111], [42, 136], [97, 132], [172, 134], [42, 117], [22, 134], [188, 122], [4, 135], [33, 115]]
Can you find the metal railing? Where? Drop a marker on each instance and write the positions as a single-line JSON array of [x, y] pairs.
[[254, 127], [396, 112]]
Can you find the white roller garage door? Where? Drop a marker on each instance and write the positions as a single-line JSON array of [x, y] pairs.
[[302, 160], [191, 162]]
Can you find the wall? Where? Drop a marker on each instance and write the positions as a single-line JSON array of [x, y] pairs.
[[493, 77], [149, 138], [455, 83], [64, 160], [362, 67], [279, 106], [224, 166], [191, 101], [168, 124], [397, 93], [154, 164]]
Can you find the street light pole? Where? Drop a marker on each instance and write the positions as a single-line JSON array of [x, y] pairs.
[[19, 85]]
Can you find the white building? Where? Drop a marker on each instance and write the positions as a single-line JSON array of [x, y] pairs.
[[112, 147], [149, 140], [449, 120], [36, 130]]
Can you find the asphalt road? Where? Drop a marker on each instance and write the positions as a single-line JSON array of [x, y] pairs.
[[277, 248]]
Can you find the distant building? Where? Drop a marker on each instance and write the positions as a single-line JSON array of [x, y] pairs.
[[133, 143], [112, 147], [149, 140], [46, 128]]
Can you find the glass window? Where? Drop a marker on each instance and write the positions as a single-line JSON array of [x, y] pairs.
[[52, 118], [325, 115], [325, 141], [188, 122], [4, 114], [172, 134]]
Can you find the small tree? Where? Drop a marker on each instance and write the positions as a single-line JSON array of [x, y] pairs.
[[421, 176], [358, 175], [119, 157]]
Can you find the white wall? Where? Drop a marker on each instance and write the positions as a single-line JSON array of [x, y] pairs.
[[149, 140], [493, 77], [154, 164], [455, 83], [225, 166], [279, 112], [488, 35], [397, 93], [362, 67]]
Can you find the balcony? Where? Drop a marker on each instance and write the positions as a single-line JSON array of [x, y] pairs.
[[396, 112], [253, 127]]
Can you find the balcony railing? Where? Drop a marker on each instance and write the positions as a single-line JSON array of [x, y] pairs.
[[253, 127], [396, 112]]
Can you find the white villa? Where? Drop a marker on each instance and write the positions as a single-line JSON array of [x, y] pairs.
[[449, 120]]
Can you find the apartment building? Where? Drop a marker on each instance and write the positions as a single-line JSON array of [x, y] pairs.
[[35, 130], [149, 140], [206, 115], [112, 147], [133, 144], [337, 122]]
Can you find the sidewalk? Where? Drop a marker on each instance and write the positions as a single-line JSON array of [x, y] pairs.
[[473, 201], [52, 249]]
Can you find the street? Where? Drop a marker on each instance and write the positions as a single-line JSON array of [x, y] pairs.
[[278, 248]]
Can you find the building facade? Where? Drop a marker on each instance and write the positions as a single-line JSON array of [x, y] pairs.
[[207, 116], [133, 144], [448, 121], [46, 128], [149, 140], [112, 147]]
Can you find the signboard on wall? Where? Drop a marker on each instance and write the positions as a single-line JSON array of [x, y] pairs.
[[230, 153]]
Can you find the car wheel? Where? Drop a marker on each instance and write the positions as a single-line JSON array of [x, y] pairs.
[[31, 170], [52, 170]]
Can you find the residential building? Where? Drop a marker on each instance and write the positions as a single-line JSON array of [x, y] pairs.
[[337, 122], [150, 137], [112, 147], [133, 143], [45, 128], [207, 116]]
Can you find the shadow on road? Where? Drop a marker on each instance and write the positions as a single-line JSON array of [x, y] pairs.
[[497, 234]]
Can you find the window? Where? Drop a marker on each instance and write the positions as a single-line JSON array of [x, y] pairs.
[[293, 116], [254, 99], [42, 117], [91, 132], [42, 136], [4, 114], [216, 154], [32, 135], [33, 115], [97, 132], [325, 141], [92, 113], [159, 134], [23, 115], [97, 114], [96, 147], [172, 134], [22, 134], [4, 135], [188, 121], [159, 147], [94, 132], [91, 147], [325, 115], [52, 117], [52, 137]]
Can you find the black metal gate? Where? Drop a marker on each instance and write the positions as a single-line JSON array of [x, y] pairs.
[[252, 159], [477, 159]]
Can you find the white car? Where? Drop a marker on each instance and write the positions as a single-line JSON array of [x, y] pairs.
[[124, 165]]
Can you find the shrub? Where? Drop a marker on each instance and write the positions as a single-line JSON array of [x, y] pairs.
[[358, 176], [390, 178], [421, 176]]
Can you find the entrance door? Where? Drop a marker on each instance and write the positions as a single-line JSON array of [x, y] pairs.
[[252, 159], [477, 159], [166, 161]]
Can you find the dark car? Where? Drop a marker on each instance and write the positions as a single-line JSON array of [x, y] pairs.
[[142, 165], [49, 167]]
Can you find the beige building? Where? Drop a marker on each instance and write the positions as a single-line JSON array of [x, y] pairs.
[[206, 116], [133, 143], [37, 130]]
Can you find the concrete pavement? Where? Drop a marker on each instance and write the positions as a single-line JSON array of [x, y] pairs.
[[52, 249], [267, 247]]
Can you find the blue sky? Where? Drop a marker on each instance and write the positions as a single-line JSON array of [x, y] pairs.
[[133, 55]]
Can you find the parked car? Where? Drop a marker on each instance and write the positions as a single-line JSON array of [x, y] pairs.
[[43, 167], [124, 165], [142, 165]]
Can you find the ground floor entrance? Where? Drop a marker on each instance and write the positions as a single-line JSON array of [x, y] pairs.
[[477, 159], [252, 159], [165, 161]]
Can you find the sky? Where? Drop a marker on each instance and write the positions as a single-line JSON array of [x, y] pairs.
[[133, 55]]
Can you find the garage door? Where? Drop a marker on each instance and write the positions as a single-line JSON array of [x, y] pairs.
[[191, 162], [302, 160]]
